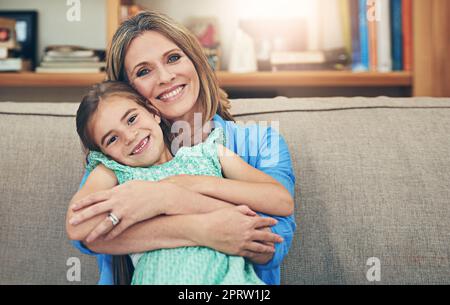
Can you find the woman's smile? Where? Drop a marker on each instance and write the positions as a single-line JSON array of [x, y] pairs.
[[172, 94]]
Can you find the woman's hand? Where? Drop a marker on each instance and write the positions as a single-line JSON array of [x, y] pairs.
[[131, 202], [237, 231]]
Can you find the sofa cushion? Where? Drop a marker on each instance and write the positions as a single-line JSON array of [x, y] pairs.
[[372, 181]]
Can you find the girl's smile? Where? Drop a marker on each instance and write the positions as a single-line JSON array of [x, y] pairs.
[[142, 145]]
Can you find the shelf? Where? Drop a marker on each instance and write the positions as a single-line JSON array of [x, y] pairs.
[[315, 79], [229, 80]]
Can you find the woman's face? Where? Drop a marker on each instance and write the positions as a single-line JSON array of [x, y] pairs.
[[162, 73], [127, 132]]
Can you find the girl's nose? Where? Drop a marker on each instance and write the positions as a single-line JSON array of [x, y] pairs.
[[130, 136]]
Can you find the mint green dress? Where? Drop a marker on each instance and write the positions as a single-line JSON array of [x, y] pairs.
[[183, 265]]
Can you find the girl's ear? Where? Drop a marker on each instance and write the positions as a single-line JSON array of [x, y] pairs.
[[157, 118]]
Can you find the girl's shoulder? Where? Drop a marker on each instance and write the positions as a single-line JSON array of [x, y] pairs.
[[95, 158]]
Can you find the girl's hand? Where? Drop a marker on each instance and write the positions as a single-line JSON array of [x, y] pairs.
[[237, 231], [131, 202]]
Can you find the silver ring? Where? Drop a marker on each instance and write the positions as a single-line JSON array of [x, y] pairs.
[[114, 219]]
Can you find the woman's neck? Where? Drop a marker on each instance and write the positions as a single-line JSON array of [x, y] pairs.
[[196, 133]]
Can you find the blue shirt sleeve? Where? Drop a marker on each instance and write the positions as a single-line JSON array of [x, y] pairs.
[[275, 160], [76, 243]]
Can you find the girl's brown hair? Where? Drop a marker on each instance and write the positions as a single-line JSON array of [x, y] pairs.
[[213, 99]]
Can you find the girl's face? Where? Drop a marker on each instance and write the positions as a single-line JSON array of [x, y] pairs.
[[162, 73], [127, 132]]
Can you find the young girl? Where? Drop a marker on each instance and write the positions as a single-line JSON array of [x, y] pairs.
[[126, 142]]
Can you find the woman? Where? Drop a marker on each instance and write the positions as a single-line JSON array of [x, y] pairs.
[[165, 64]]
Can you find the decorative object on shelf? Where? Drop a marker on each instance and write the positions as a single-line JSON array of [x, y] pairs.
[[72, 59], [128, 10], [9, 48], [275, 35], [243, 55], [337, 59], [26, 31], [207, 32]]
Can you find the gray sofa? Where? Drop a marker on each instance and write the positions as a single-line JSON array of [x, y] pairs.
[[373, 180]]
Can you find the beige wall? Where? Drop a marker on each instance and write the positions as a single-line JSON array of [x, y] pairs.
[[54, 28]]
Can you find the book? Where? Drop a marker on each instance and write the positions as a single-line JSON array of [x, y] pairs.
[[313, 42], [407, 35], [384, 37], [356, 42], [309, 60], [55, 64], [47, 58], [11, 64], [363, 35], [344, 6], [396, 38], [68, 51], [331, 21], [372, 7], [67, 70]]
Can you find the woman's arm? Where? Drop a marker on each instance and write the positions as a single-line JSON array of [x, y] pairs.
[[244, 185], [87, 216], [231, 230], [101, 178]]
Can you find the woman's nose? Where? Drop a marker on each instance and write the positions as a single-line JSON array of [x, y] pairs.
[[165, 75]]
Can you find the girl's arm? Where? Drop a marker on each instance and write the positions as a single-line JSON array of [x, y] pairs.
[[244, 185]]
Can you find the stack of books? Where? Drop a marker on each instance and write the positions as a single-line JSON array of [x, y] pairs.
[[381, 34], [72, 59], [377, 34]]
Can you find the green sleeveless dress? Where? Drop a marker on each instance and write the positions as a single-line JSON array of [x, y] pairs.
[[183, 265]]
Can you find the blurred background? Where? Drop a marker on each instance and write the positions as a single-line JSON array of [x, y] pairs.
[[53, 50]]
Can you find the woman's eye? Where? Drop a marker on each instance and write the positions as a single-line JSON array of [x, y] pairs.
[[174, 58], [132, 119], [142, 72], [111, 140]]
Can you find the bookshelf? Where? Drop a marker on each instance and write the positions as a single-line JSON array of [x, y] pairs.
[[430, 28], [231, 80]]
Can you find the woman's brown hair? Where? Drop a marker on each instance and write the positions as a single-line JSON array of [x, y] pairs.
[[213, 98]]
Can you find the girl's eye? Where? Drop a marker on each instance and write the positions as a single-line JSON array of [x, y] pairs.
[[173, 58], [132, 119], [142, 72], [111, 140]]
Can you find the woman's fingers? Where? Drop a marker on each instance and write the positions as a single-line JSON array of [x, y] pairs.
[[262, 236], [91, 199], [260, 248], [117, 230], [264, 222], [104, 227], [246, 210], [89, 212]]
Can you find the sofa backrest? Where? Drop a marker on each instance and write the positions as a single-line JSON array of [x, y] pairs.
[[373, 181]]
